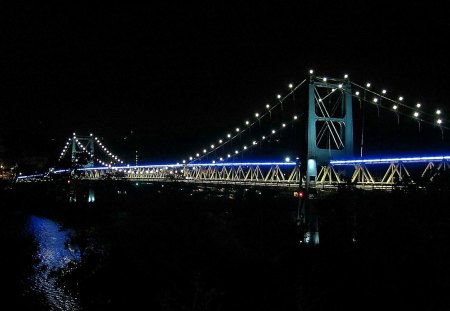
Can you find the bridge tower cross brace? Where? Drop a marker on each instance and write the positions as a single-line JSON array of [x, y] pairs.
[[88, 143]]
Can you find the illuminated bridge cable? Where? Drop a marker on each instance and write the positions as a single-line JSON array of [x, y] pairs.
[[252, 144], [238, 131], [399, 103], [411, 116]]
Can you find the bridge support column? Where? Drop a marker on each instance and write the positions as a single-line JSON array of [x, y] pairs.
[[329, 135]]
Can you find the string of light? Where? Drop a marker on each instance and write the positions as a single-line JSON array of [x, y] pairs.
[[255, 143], [397, 104], [115, 159], [256, 118]]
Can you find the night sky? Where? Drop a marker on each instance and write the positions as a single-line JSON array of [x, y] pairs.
[[171, 78]]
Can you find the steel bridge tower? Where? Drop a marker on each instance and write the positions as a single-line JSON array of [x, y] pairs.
[[329, 135], [83, 145]]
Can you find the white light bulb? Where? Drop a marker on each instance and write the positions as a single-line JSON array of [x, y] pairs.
[[267, 106], [247, 122], [236, 152], [400, 98], [287, 159], [212, 146], [254, 142], [383, 91], [220, 141], [311, 71], [204, 150], [264, 137], [357, 93], [418, 105], [245, 147], [346, 76], [324, 79], [228, 135], [237, 129], [257, 115], [278, 96], [439, 121], [340, 86], [375, 100], [295, 117], [283, 125], [290, 85], [273, 131], [229, 155], [416, 114], [197, 155], [190, 158], [221, 159], [438, 112], [368, 84], [395, 107]]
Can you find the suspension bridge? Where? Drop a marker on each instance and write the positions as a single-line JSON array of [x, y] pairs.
[[324, 120]]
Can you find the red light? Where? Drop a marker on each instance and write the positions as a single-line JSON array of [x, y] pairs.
[[300, 194]]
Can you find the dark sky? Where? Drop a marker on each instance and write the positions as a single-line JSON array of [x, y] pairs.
[[179, 76]]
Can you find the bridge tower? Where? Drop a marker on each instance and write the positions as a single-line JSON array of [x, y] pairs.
[[83, 145], [329, 135]]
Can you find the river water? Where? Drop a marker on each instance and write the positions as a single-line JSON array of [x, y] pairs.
[[54, 252]]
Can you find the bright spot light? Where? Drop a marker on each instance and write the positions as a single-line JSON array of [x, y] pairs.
[[197, 155], [311, 71], [278, 96], [295, 117], [184, 161], [287, 159], [212, 146], [257, 115], [368, 84], [375, 100], [245, 147], [324, 79], [264, 137], [400, 98], [346, 76], [416, 114], [340, 86], [228, 135], [204, 150], [357, 93], [439, 121], [290, 85], [438, 112], [213, 162], [229, 155], [267, 106], [383, 91], [418, 105], [220, 141], [273, 131], [395, 107], [221, 159], [236, 152], [247, 122], [190, 158], [283, 125], [237, 129], [254, 142]]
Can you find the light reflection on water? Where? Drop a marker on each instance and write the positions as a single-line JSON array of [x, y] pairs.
[[52, 254]]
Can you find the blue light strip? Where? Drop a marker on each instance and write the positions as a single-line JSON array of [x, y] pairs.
[[30, 176], [189, 165], [390, 160]]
